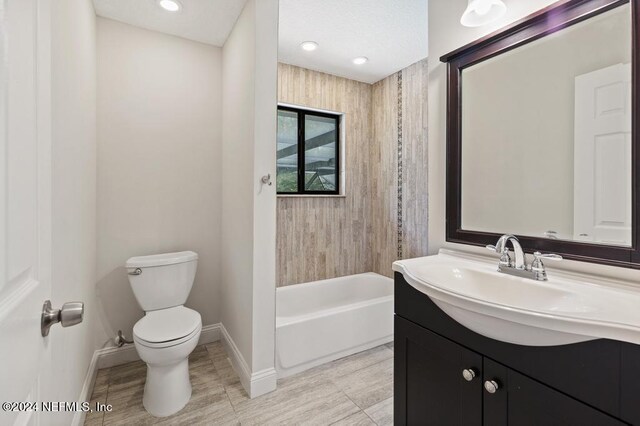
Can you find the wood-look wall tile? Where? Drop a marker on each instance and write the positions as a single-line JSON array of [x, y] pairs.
[[320, 238], [415, 126]]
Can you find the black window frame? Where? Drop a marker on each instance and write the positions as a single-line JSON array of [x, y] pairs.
[[301, 114]]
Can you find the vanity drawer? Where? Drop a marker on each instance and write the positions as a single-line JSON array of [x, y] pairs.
[[591, 372]]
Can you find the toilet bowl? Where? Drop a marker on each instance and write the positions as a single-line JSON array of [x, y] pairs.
[[164, 339], [168, 332]]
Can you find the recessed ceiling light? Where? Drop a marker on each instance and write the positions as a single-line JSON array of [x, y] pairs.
[[170, 5], [309, 46], [360, 60]]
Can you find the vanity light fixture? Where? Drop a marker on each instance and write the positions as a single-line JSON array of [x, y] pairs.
[[309, 46], [361, 60], [170, 5], [482, 12]]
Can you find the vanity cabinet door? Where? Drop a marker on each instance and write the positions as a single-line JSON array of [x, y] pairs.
[[519, 400], [429, 385]]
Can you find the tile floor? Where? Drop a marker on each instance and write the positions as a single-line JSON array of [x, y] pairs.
[[356, 390]]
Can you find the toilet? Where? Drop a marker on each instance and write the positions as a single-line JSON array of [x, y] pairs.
[[168, 332]]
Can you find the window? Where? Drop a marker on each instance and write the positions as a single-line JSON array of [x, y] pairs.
[[308, 152]]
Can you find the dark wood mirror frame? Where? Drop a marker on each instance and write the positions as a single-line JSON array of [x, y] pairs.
[[544, 22]]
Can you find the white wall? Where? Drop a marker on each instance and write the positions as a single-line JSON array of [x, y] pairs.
[[446, 34], [249, 208], [264, 222], [159, 163], [73, 70]]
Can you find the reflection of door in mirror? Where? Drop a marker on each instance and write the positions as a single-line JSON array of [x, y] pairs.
[[602, 153]]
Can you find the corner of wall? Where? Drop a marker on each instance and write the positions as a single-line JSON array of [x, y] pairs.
[[248, 234]]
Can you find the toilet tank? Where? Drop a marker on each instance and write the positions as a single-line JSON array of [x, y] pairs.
[[162, 281]]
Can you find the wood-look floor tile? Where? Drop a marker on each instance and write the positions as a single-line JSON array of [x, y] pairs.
[[125, 372], [128, 376], [382, 412], [207, 406], [216, 351], [102, 380], [328, 394], [127, 406], [236, 393], [357, 419], [370, 385], [93, 421], [99, 395], [199, 356], [225, 371], [297, 402], [355, 362], [390, 345]]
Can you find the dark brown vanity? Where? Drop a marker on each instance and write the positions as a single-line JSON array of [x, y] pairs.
[[590, 383], [542, 143]]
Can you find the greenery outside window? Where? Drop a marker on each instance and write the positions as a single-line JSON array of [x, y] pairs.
[[308, 157]]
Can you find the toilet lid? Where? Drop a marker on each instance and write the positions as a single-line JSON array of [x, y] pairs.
[[165, 325]]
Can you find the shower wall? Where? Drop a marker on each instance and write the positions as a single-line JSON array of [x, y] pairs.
[[399, 151], [327, 237], [383, 214]]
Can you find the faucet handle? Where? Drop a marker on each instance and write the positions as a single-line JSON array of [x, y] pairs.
[[547, 256], [537, 267], [505, 259]]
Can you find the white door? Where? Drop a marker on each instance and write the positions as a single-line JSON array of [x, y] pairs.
[[602, 153], [25, 205]]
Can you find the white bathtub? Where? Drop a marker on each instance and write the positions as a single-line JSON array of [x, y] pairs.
[[320, 321]]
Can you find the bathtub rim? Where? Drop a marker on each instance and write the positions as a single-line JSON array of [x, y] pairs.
[[290, 287]]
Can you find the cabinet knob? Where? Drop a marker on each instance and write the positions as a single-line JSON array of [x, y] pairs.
[[469, 374], [491, 386]]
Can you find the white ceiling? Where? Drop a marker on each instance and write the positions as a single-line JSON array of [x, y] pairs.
[[207, 21], [391, 33]]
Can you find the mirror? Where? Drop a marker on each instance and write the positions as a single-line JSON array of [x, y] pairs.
[[546, 136], [541, 133]]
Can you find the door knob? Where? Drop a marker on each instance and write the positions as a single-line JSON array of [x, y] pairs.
[[70, 314], [469, 374], [491, 386]]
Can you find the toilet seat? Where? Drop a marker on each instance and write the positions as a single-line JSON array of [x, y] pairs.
[[167, 327], [195, 333]]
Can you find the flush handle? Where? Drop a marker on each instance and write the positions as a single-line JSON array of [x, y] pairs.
[[136, 271], [71, 313]]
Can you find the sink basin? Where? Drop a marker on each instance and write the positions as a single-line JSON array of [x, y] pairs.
[[568, 308]]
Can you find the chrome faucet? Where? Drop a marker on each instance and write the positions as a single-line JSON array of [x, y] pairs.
[[519, 268]]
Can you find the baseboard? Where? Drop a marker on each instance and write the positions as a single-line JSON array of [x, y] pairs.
[[87, 389], [113, 356], [263, 382], [255, 384], [210, 333]]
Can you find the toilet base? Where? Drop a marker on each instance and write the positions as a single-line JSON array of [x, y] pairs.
[[168, 388]]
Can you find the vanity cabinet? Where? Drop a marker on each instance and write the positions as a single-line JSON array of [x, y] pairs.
[[431, 368], [589, 383], [435, 391]]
